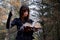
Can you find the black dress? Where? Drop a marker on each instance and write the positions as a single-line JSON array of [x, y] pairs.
[[20, 34]]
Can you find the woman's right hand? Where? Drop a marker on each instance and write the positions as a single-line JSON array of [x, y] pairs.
[[27, 29]]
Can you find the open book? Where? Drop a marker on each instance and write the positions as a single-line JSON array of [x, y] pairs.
[[34, 26]]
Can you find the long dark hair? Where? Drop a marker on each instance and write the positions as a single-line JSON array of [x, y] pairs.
[[23, 9]]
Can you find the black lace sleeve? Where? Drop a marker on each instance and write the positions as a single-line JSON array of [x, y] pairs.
[[8, 20], [30, 21], [14, 22]]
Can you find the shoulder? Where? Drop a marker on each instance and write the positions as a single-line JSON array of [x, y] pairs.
[[30, 21], [15, 19]]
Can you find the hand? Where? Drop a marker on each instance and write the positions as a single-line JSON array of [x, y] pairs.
[[27, 29]]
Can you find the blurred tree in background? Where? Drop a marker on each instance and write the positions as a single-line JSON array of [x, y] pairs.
[[51, 21]]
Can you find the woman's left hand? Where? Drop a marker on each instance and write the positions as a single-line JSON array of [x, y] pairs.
[[27, 29]]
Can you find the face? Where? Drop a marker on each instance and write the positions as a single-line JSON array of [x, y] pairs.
[[25, 14]]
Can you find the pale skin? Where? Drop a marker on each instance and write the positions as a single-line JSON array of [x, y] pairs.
[[25, 14]]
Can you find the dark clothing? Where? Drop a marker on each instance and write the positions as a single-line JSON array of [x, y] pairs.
[[20, 34]]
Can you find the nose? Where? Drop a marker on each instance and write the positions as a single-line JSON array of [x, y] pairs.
[[26, 13]]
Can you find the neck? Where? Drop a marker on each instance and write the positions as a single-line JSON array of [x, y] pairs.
[[22, 19]]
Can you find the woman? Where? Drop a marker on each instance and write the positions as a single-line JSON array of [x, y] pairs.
[[23, 18]]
